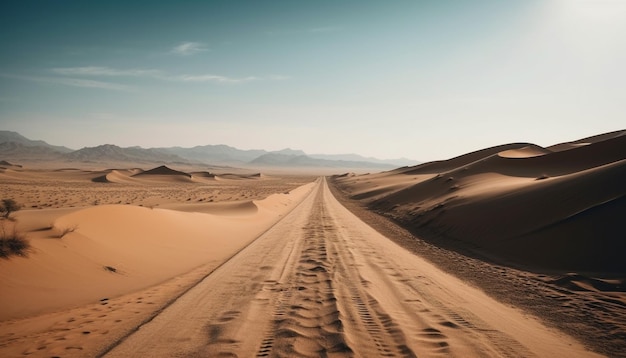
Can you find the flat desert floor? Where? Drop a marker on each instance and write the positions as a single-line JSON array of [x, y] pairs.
[[196, 265]]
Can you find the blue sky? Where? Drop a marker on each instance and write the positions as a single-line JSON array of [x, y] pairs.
[[419, 79]]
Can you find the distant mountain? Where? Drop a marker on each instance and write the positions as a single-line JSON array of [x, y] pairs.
[[289, 151], [113, 153], [275, 159], [400, 162], [14, 137], [18, 152], [223, 154], [17, 148], [278, 159], [215, 154]]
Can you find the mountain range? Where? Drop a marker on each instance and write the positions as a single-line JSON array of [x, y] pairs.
[[16, 148]]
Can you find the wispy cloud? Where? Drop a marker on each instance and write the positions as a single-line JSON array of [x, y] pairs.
[[160, 75], [189, 48], [79, 82], [73, 82], [105, 71], [225, 79], [212, 78]]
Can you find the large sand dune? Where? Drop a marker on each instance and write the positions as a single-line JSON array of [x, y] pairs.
[[541, 228], [518, 203]]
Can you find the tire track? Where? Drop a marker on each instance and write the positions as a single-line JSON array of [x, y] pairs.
[[307, 321], [322, 283], [430, 319]]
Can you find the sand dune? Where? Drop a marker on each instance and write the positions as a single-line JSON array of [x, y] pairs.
[[550, 219], [517, 203], [6, 165], [236, 208], [164, 174], [239, 176], [585, 141], [163, 170], [110, 250], [456, 162], [203, 174], [525, 152], [117, 176]]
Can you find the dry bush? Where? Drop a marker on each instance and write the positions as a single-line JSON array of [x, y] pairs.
[[12, 243], [7, 206], [66, 230]]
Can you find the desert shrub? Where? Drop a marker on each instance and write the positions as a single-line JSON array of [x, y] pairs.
[[12, 243], [7, 206], [66, 230]]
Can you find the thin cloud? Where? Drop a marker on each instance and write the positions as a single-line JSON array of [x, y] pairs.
[[225, 79], [72, 82], [160, 75], [189, 48], [104, 71], [213, 78]]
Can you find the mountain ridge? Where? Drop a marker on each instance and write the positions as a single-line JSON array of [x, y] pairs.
[[15, 147]]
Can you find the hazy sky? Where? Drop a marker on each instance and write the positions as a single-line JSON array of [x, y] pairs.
[[418, 79]]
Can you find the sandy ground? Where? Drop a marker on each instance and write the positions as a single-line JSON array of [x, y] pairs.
[[323, 283], [94, 272], [318, 282], [539, 228]]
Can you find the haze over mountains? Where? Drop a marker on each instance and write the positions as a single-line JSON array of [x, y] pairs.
[[16, 148]]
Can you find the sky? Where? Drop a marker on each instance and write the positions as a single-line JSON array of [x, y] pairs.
[[423, 80]]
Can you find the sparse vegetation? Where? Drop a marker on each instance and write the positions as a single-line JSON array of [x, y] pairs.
[[7, 206], [12, 242], [66, 230]]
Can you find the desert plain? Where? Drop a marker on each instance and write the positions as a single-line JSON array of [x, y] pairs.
[[511, 251]]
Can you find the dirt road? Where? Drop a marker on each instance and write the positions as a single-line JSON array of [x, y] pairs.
[[323, 283]]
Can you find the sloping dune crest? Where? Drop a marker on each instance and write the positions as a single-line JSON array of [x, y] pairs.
[[161, 174], [164, 174], [522, 204], [111, 250], [525, 152], [240, 176], [585, 141], [118, 176]]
